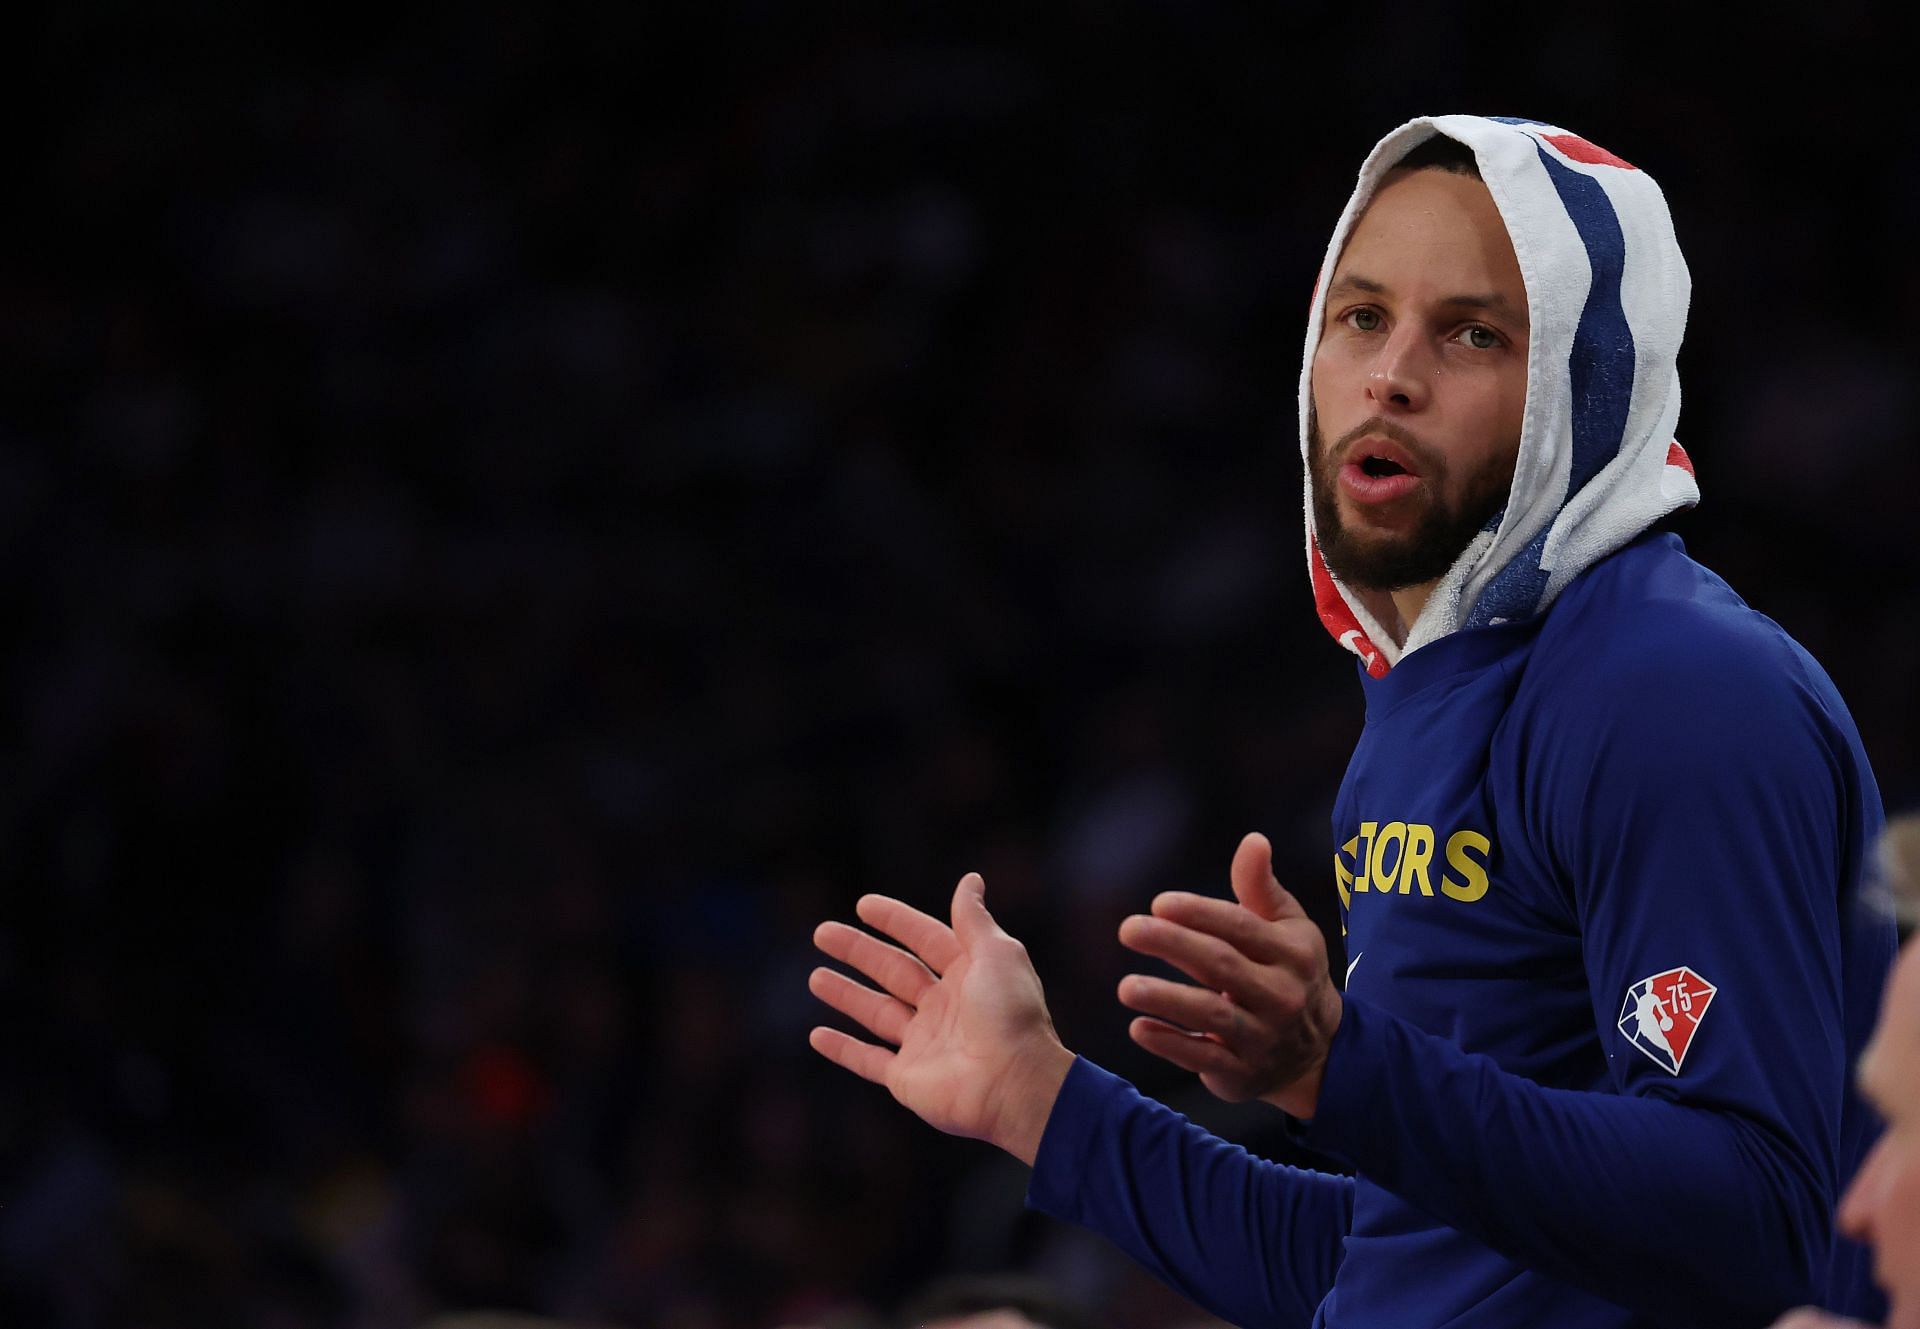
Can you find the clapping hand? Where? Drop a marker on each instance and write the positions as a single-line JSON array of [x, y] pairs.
[[1261, 1012], [966, 1042]]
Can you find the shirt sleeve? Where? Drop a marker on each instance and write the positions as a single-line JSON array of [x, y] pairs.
[[1254, 1242], [1703, 826]]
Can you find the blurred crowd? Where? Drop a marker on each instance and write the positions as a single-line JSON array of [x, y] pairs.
[[512, 517]]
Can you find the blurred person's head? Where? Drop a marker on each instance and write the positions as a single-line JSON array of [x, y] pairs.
[[1882, 1205], [997, 1301], [500, 1320]]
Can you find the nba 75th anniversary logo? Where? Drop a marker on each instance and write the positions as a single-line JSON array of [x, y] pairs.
[[1662, 1014]]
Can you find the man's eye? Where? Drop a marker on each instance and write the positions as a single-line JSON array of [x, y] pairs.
[[1366, 320], [1481, 339]]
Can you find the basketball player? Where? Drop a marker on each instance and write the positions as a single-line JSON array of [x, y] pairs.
[[1593, 785]]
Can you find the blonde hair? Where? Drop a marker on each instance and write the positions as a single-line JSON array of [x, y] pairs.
[[1898, 858]]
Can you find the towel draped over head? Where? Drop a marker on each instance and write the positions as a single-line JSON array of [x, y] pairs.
[[1607, 294]]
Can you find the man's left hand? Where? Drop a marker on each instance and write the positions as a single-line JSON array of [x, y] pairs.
[[1265, 1009]]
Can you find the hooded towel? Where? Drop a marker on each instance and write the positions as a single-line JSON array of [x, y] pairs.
[[1607, 294]]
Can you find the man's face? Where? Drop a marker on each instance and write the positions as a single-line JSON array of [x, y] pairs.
[[1419, 382], [1882, 1206]]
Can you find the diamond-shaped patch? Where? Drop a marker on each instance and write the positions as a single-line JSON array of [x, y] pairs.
[[1661, 1014]]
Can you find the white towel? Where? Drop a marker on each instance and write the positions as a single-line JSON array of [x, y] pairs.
[[1607, 294]]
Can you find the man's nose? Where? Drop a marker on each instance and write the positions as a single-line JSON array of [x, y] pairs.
[[1400, 377], [1855, 1211]]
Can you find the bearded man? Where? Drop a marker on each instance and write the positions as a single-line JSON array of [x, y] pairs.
[[1598, 850]]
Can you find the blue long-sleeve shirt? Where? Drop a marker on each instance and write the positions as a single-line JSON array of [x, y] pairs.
[[1600, 873]]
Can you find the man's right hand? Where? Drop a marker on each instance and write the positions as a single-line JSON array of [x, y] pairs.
[[974, 1052]]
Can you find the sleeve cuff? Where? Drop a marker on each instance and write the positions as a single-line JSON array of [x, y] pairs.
[[1346, 1084], [1068, 1141]]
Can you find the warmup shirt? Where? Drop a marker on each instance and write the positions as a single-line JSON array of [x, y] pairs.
[[1600, 850]]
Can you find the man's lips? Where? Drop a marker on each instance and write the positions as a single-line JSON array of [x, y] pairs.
[[1379, 447], [1365, 487]]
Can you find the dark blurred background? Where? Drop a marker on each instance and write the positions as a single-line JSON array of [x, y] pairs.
[[510, 515]]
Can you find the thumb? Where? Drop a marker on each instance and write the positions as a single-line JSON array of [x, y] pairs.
[[972, 924], [1254, 884]]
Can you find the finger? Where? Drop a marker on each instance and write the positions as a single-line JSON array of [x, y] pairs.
[[863, 1059], [1184, 1005], [1242, 929], [1201, 956], [1254, 884], [923, 934], [882, 1016], [1189, 1051], [972, 924], [893, 969]]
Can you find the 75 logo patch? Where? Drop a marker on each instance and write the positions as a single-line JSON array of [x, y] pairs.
[[1661, 1014]]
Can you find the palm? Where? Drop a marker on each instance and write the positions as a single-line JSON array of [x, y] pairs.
[[973, 1049], [963, 1042]]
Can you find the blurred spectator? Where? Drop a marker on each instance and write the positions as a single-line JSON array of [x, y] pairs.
[[1881, 1205], [1005, 1301]]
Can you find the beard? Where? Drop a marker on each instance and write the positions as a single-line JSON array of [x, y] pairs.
[[1393, 562]]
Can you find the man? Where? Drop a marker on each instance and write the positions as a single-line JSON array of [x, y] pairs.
[[1882, 1205], [1598, 845]]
